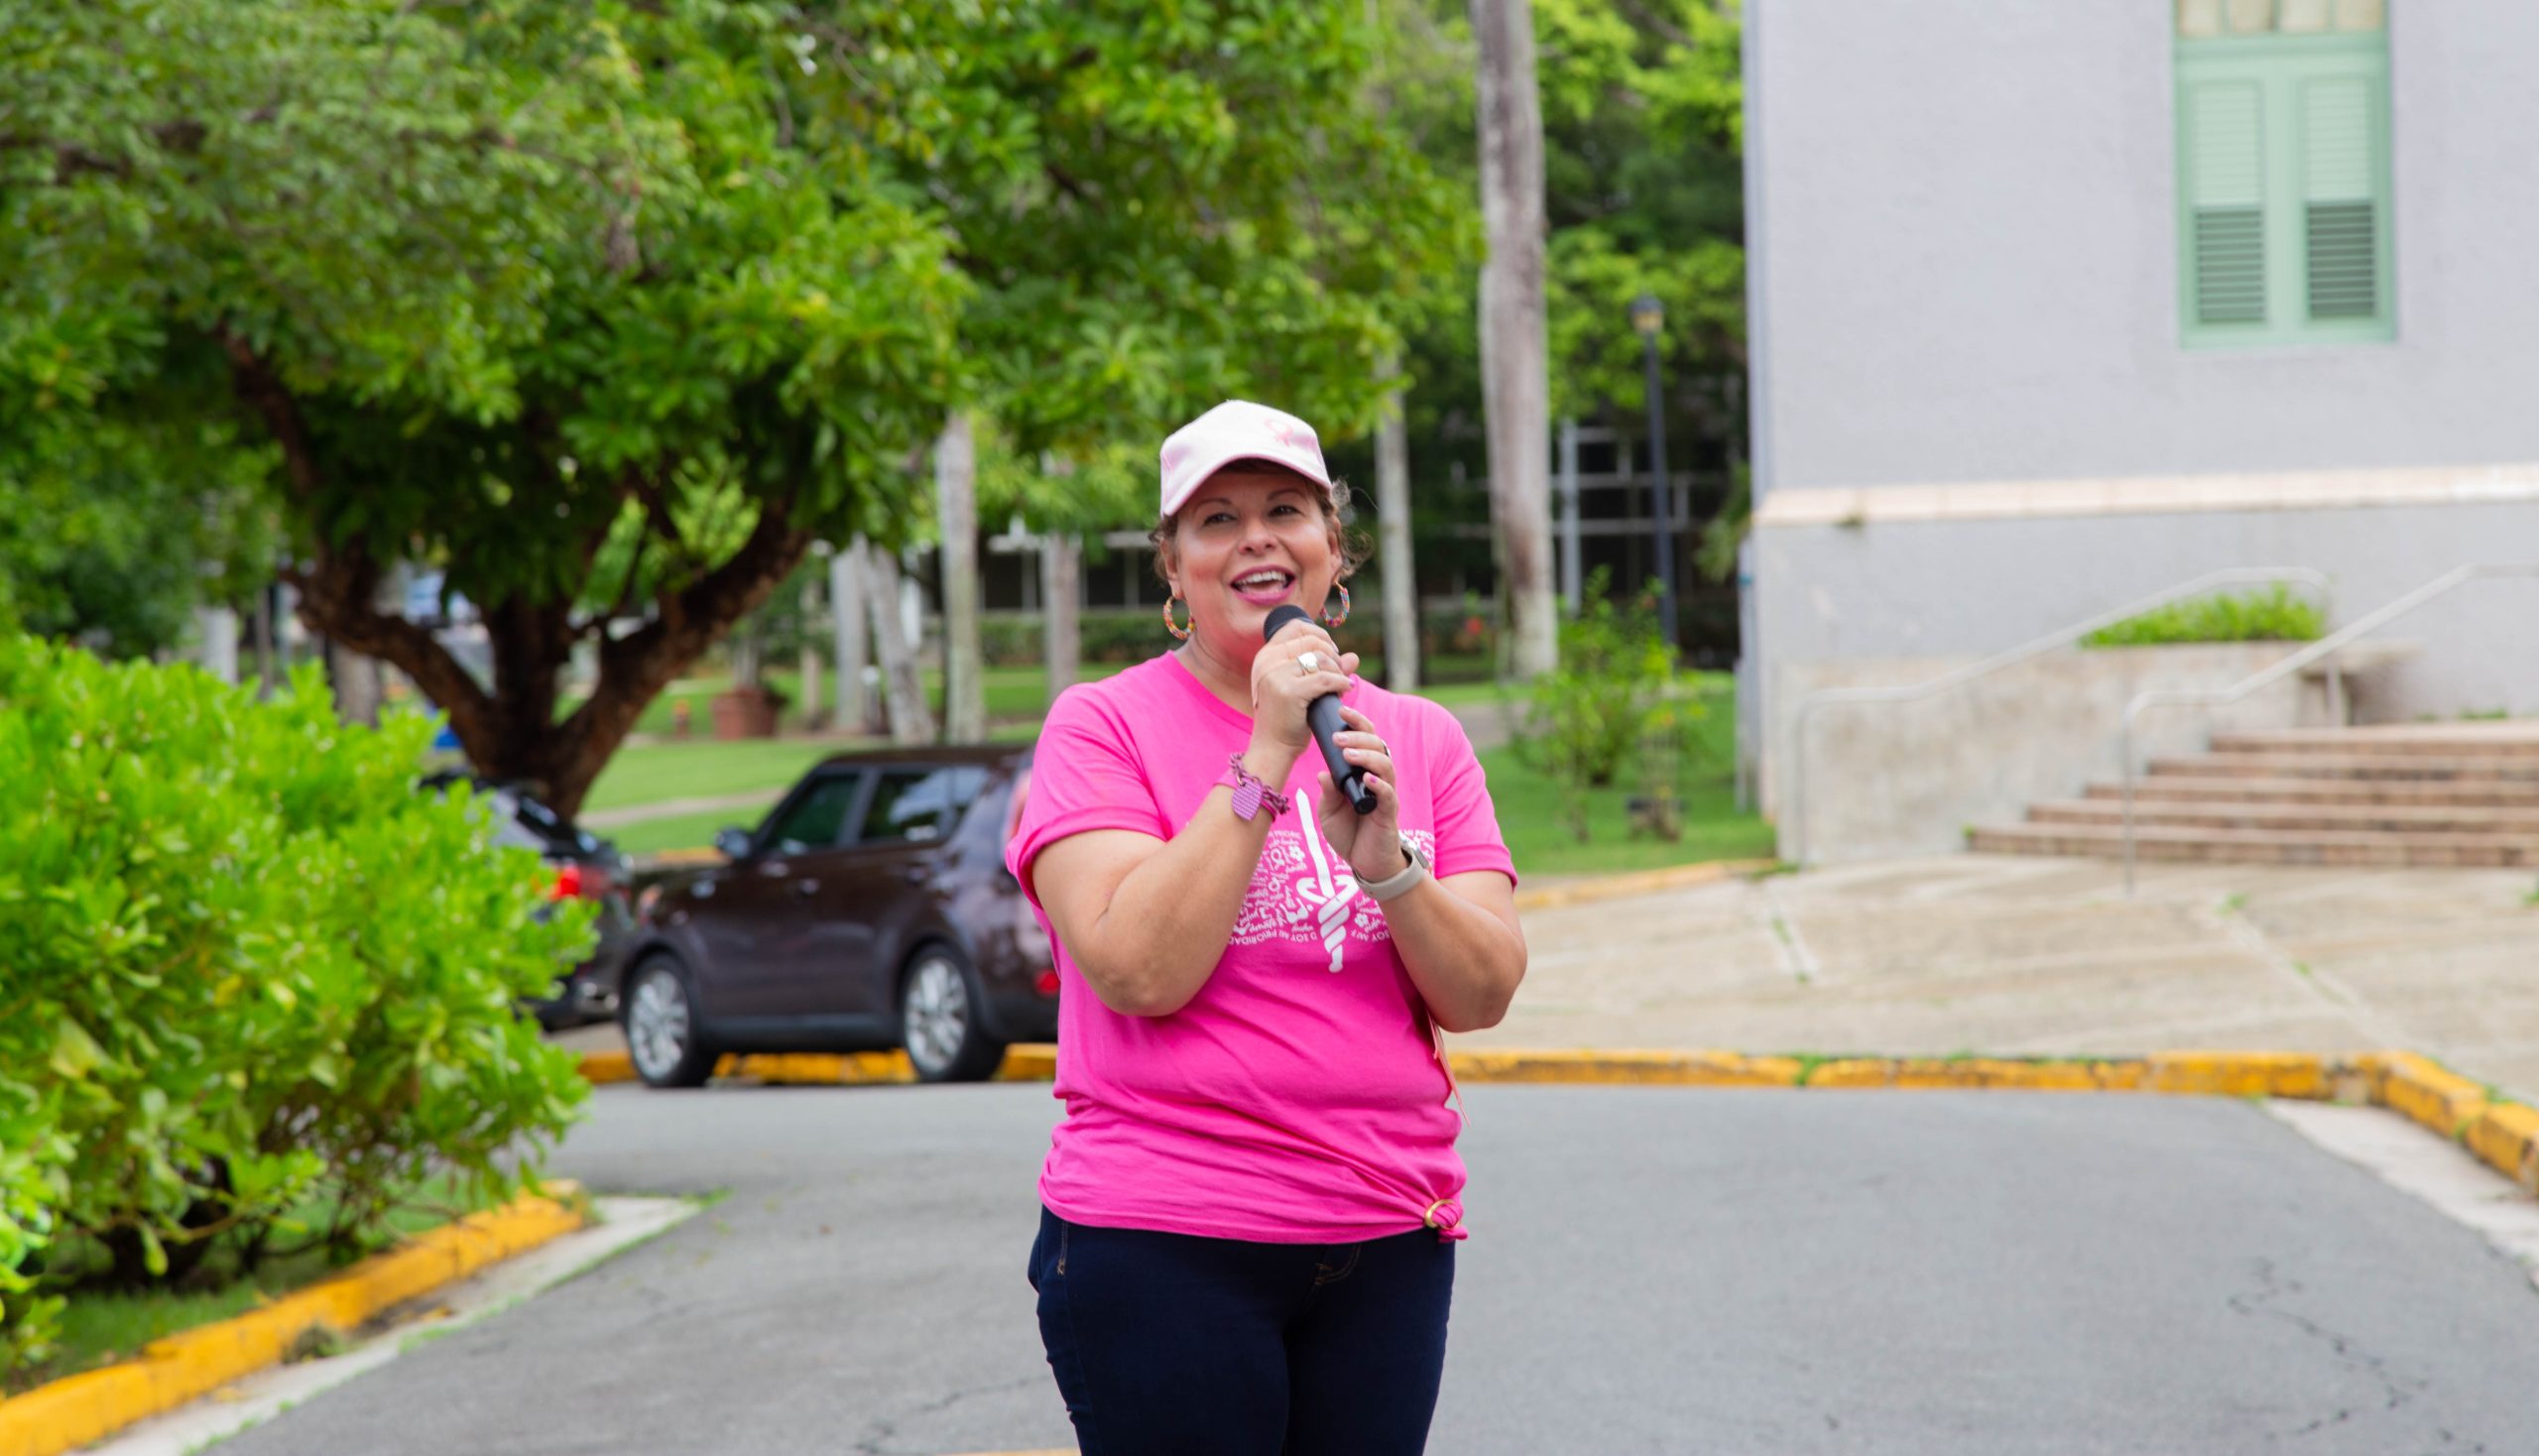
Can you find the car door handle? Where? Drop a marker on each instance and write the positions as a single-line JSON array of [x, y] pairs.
[[806, 888], [915, 874]]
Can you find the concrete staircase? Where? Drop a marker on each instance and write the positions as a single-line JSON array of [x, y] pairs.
[[2435, 793]]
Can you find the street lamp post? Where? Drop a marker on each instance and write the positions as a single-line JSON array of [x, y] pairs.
[[1648, 319]]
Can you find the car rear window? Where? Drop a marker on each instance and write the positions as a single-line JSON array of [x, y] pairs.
[[919, 804]]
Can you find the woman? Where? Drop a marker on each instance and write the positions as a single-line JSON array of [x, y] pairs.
[[1247, 1244]]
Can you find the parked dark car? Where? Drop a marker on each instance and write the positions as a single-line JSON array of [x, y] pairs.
[[871, 910], [580, 866]]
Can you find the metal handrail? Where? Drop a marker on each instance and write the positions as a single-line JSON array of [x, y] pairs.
[[2370, 622], [2061, 637]]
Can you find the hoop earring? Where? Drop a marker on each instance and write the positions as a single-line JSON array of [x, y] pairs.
[[1179, 632], [1329, 620]]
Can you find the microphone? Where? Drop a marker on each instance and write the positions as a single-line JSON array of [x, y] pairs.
[[1322, 715]]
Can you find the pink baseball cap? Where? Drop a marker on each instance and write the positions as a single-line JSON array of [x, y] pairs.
[[1237, 429]]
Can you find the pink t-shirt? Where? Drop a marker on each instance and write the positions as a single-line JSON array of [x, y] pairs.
[[1299, 1098]]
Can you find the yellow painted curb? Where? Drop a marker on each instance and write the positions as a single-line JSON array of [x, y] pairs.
[[2504, 1135], [2415, 1085], [1641, 882], [1647, 1069], [1023, 1064], [80, 1408], [2298, 1074], [1978, 1072]]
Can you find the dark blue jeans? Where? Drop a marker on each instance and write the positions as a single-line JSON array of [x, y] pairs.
[[1169, 1345]]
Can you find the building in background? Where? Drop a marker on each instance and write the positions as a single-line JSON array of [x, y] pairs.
[[2054, 306]]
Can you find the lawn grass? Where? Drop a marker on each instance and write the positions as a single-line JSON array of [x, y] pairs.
[[686, 831], [651, 772], [1534, 808], [1531, 806], [100, 1327]]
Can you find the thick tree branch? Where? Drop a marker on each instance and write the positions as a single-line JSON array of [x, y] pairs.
[[263, 391], [338, 600]]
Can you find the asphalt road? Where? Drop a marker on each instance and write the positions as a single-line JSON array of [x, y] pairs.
[[1653, 1270]]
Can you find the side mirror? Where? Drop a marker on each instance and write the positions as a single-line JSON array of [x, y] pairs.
[[733, 844]]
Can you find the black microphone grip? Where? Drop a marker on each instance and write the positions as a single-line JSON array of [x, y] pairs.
[[1322, 717]]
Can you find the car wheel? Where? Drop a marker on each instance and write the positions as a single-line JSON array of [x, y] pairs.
[[939, 1021], [662, 1037]]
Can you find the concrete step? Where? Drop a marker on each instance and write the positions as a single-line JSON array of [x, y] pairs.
[[2227, 815], [2193, 790], [2265, 846], [2454, 767], [2505, 738]]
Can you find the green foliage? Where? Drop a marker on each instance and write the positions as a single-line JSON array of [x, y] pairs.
[[244, 962], [1589, 717], [612, 308], [2271, 615]]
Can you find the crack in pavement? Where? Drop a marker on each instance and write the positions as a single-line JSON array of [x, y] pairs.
[[885, 1429], [2396, 1390]]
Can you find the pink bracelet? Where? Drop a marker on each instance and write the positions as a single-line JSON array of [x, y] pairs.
[[1249, 791]]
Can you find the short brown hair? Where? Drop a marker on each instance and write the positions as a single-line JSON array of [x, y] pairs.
[[1338, 512]]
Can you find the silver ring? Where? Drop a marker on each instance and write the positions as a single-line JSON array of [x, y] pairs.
[[1307, 663]]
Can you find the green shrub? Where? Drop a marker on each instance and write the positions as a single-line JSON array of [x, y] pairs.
[[1607, 700], [243, 964], [2271, 615]]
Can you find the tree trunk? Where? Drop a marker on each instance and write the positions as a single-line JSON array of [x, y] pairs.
[[1515, 382], [217, 627], [1392, 529], [854, 644], [956, 479], [266, 673], [910, 721], [355, 678], [513, 730], [1061, 617], [814, 711]]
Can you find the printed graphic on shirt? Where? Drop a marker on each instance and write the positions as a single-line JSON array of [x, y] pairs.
[[1303, 890]]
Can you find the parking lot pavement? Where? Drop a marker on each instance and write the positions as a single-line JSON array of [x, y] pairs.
[[2012, 956], [1652, 1269]]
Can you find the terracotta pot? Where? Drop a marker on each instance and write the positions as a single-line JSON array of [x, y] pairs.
[[744, 712]]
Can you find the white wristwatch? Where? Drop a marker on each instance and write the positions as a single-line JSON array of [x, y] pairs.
[[1411, 874]]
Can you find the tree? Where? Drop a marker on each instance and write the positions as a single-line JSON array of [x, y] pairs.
[[113, 531], [610, 309], [1643, 193], [1157, 208], [1515, 385]]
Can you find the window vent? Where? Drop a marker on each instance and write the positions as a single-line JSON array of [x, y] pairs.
[[2340, 225], [2228, 183]]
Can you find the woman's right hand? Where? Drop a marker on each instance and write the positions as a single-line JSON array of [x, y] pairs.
[[1282, 688]]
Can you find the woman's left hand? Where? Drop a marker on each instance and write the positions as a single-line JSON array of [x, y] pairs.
[[1371, 843]]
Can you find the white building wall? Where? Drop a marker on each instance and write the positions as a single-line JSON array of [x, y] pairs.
[[1969, 218], [1962, 220]]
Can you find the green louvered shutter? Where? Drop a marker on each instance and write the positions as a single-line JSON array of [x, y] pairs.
[[2340, 201], [2283, 191], [2225, 202]]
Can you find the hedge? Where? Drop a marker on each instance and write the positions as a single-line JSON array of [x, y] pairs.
[[244, 963]]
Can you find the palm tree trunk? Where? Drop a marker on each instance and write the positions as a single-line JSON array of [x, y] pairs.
[[1515, 379], [956, 470], [910, 720]]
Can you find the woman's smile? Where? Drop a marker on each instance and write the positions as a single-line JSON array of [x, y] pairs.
[[1266, 586]]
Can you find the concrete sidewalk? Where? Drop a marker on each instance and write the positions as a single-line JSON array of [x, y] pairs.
[[2024, 957]]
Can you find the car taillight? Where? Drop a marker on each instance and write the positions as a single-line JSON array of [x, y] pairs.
[[575, 881], [1048, 985]]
